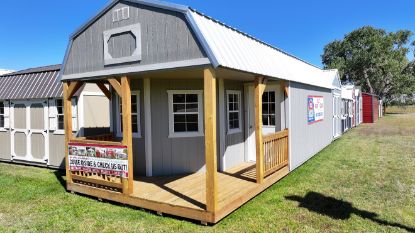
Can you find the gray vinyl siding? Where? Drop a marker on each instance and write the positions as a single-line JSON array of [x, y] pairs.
[[139, 159], [234, 143], [5, 152], [57, 150], [165, 37], [307, 140], [173, 155]]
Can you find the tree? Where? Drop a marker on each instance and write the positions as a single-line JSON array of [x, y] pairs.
[[375, 60]]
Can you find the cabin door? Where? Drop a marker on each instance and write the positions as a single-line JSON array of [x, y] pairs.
[[250, 148], [29, 131]]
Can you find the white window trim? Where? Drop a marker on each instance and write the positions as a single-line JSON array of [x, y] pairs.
[[238, 93], [118, 115], [59, 131], [173, 134], [3, 129], [275, 103]]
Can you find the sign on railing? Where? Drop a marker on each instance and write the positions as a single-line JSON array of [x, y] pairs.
[[101, 159]]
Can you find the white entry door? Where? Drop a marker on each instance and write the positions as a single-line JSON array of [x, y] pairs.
[[250, 148], [29, 131], [272, 103]]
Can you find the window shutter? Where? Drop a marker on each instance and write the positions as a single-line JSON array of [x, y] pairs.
[[74, 115], [52, 115], [6, 114]]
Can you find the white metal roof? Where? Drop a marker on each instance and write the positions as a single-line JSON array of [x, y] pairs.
[[348, 92], [230, 48], [236, 50]]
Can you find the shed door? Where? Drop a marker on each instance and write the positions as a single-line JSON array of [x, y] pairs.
[[29, 131], [336, 116]]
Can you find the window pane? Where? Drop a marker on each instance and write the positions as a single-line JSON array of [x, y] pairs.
[[191, 118], [264, 119], [191, 108], [264, 108], [178, 98], [272, 120], [179, 118], [191, 98], [134, 127], [272, 108], [60, 122], [230, 96], [265, 97], [133, 99], [134, 108], [192, 127], [272, 96], [235, 116], [236, 106], [1, 121], [179, 127], [179, 107], [134, 119]]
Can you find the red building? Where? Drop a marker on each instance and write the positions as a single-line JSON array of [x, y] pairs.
[[370, 108]]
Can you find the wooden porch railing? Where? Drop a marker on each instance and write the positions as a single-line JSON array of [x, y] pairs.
[[275, 151]]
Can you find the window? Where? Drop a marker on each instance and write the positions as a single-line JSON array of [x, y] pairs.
[[2, 111], [60, 114], [185, 113], [268, 108], [135, 114], [234, 111]]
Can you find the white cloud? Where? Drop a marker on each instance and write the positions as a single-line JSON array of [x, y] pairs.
[[4, 71]]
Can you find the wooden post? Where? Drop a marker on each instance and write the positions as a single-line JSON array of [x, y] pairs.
[[210, 140], [67, 111], [259, 90], [127, 133]]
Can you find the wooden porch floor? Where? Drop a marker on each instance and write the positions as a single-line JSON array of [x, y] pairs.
[[185, 196]]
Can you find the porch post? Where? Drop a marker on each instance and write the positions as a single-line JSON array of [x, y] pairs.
[[210, 139], [259, 90], [127, 133], [67, 111]]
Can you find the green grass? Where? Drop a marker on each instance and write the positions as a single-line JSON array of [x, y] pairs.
[[363, 182], [401, 109]]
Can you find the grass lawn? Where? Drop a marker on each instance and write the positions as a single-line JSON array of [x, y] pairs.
[[363, 182], [400, 109]]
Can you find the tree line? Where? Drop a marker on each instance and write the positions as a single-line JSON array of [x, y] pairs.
[[381, 62]]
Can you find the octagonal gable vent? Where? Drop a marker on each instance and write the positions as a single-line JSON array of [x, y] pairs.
[[122, 45]]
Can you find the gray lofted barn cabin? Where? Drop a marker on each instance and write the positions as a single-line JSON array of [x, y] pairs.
[[203, 117]]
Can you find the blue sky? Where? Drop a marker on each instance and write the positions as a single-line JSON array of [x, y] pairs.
[[35, 33]]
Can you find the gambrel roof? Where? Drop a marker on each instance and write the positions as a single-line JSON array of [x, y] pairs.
[[33, 83], [230, 48]]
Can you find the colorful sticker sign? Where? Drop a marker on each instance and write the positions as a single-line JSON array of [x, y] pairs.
[[101, 159], [315, 109]]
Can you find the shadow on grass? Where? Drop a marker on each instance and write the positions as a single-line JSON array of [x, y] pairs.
[[59, 174], [339, 209]]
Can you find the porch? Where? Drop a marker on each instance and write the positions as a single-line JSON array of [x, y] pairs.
[[185, 196], [208, 195]]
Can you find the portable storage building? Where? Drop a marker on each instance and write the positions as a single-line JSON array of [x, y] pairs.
[[348, 97], [31, 116], [370, 108], [358, 106], [203, 116]]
